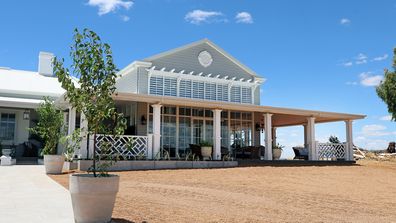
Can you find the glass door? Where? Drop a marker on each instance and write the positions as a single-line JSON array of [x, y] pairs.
[[198, 128]]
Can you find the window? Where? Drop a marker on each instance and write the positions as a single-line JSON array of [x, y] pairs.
[[198, 89], [170, 87], [222, 92], [157, 85], [236, 94], [7, 126], [185, 89], [210, 91], [246, 95]]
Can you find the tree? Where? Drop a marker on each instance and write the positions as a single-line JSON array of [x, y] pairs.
[[49, 125], [387, 88], [92, 64], [334, 139]]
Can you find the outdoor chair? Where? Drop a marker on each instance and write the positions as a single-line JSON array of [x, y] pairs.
[[196, 149], [298, 155]]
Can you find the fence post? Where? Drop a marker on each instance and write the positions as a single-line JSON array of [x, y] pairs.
[[150, 146]]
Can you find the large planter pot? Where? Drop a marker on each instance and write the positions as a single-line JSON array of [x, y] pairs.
[[206, 151], [276, 154], [53, 164], [92, 197]]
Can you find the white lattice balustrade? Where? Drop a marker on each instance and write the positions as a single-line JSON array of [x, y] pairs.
[[331, 151], [126, 146]]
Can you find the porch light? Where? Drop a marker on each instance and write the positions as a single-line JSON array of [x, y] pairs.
[[26, 115], [143, 120]]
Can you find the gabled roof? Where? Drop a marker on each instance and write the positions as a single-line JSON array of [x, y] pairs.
[[28, 84], [210, 43]]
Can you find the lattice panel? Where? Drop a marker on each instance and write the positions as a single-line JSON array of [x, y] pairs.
[[330, 151], [128, 147]]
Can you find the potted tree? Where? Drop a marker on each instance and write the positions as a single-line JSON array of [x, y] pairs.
[[93, 194], [206, 149], [49, 125], [71, 143], [277, 151]]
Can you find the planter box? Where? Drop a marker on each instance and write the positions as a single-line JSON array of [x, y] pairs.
[[67, 166], [83, 165], [141, 164], [184, 164], [165, 164]]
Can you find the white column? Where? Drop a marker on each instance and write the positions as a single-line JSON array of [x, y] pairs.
[[273, 135], [72, 120], [349, 140], [268, 135], [83, 133], [217, 134], [156, 129], [305, 135], [311, 138]]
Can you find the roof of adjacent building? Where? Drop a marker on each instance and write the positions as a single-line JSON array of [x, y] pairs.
[[28, 84]]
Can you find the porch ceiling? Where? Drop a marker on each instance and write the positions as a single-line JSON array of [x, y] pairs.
[[281, 117]]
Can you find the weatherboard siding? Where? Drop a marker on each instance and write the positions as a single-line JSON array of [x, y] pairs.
[[187, 60]]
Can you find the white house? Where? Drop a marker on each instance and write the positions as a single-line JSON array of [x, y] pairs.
[[20, 94], [179, 98]]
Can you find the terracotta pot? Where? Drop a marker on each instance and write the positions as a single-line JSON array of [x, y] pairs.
[[92, 197], [53, 164], [276, 154], [206, 151]]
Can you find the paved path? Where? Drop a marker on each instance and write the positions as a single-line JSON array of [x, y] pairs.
[[28, 195]]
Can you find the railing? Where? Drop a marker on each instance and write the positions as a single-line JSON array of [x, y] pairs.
[[331, 151], [129, 147]]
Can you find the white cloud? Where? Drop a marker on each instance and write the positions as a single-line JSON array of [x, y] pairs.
[[369, 80], [347, 64], [361, 58], [106, 6], [375, 130], [345, 21], [351, 83], [386, 118], [244, 17], [125, 18], [199, 16], [380, 58]]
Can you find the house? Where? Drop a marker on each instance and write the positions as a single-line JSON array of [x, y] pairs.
[[21, 92], [179, 98], [199, 92]]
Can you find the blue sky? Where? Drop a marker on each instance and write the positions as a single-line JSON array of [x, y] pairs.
[[325, 55]]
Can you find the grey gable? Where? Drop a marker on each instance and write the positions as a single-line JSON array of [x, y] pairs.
[[186, 58]]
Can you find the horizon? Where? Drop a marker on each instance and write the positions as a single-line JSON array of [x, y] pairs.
[[326, 56]]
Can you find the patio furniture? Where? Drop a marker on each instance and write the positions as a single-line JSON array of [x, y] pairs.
[[249, 152], [196, 149], [300, 153], [6, 160]]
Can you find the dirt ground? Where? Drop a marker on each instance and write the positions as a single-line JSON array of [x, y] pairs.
[[365, 192]]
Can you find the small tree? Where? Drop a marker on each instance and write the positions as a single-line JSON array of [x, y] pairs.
[[92, 64], [334, 139], [50, 123], [387, 88]]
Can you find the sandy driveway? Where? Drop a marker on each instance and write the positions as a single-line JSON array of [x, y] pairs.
[[365, 193]]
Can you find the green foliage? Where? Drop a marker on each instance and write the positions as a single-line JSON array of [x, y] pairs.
[[387, 89], [49, 126], [71, 143], [205, 143], [92, 64], [278, 146], [334, 139]]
